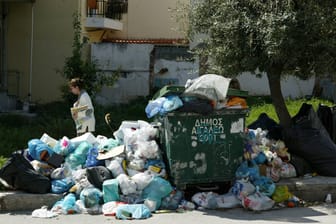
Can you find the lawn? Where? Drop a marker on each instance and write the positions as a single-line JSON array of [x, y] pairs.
[[260, 105]]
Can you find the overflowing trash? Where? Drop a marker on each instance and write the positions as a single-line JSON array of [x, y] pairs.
[[126, 175], [127, 170]]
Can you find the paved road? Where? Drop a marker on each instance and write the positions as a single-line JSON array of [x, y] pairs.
[[315, 214]]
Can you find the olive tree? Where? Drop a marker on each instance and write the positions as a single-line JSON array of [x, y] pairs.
[[278, 37]]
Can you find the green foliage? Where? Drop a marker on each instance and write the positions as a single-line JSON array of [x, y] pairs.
[[295, 37], [260, 105], [290, 37], [78, 66], [2, 160]]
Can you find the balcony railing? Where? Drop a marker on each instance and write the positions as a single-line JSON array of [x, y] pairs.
[[112, 9]]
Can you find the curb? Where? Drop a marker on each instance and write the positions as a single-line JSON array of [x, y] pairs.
[[313, 189], [21, 201]]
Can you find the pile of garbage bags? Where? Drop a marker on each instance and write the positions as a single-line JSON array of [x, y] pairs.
[[101, 175], [96, 172], [265, 162], [201, 95]]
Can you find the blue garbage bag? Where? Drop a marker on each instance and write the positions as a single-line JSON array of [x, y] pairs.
[[92, 160], [91, 196], [39, 150], [79, 156], [163, 105], [133, 211], [157, 189], [154, 107], [265, 185], [62, 185], [248, 169]]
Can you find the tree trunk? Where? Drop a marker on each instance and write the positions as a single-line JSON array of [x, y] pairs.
[[278, 99]]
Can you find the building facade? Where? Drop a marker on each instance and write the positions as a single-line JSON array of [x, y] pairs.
[[142, 39], [36, 37]]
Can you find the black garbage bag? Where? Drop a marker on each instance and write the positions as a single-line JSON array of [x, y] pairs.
[[307, 118], [313, 146], [19, 174], [196, 105], [266, 123], [97, 175], [302, 167], [309, 139], [327, 116]]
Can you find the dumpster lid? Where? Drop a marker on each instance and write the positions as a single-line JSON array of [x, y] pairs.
[[178, 90], [237, 92]]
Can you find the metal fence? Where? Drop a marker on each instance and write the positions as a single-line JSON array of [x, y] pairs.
[[112, 9]]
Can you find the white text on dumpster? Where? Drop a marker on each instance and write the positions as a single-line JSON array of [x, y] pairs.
[[208, 130]]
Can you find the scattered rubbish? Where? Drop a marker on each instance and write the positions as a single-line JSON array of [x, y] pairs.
[[43, 213], [328, 199]]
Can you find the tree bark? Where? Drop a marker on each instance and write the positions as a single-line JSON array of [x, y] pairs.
[[278, 100]]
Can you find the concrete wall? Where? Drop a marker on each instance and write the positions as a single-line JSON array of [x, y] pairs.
[[328, 89], [130, 86], [130, 57], [134, 62], [291, 86], [178, 72]]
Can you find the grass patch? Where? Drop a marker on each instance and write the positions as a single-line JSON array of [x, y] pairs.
[[260, 105]]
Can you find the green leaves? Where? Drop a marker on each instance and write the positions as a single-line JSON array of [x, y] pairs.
[[297, 36]]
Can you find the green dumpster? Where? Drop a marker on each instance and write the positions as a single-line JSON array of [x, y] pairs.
[[202, 149]]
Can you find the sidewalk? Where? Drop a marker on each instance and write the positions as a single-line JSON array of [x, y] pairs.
[[312, 189]]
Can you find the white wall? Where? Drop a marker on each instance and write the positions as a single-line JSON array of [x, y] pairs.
[[133, 60], [178, 72], [130, 57], [128, 87], [291, 86], [328, 89]]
